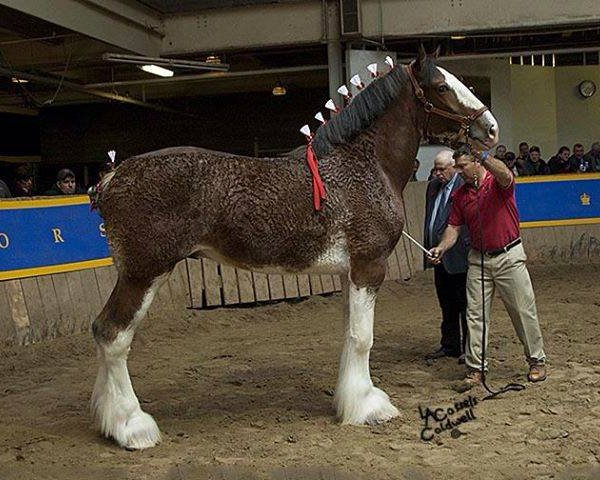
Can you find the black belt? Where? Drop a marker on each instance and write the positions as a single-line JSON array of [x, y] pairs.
[[506, 248]]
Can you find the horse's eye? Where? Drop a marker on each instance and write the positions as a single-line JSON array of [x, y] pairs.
[[443, 88]]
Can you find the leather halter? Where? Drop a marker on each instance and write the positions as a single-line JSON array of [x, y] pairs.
[[465, 121]]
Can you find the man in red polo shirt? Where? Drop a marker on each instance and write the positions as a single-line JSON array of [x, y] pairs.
[[486, 205]]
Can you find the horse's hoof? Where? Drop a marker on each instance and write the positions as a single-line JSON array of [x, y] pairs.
[[139, 432], [373, 408]]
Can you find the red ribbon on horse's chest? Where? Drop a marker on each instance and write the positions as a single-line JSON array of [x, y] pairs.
[[317, 183]]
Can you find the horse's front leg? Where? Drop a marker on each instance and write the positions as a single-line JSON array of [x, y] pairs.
[[356, 400]]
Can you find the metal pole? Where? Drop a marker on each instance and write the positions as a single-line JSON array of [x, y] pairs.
[[334, 49], [6, 72]]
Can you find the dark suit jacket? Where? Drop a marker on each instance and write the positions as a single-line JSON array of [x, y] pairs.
[[455, 259]]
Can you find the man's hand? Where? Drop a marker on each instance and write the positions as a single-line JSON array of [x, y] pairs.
[[496, 167], [435, 255]]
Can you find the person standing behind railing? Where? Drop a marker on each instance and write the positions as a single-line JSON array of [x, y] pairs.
[[4, 190], [22, 185], [593, 157], [510, 160], [578, 161], [560, 163], [66, 184], [533, 164]]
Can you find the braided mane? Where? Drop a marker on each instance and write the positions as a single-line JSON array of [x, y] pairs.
[[365, 107]]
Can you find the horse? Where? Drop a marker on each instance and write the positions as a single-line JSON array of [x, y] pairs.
[[258, 214]]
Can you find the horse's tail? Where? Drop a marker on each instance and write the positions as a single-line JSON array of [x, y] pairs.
[[95, 191]]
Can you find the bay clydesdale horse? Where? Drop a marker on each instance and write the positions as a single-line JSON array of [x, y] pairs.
[[257, 213]]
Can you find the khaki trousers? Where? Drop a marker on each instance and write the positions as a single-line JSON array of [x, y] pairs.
[[507, 273]]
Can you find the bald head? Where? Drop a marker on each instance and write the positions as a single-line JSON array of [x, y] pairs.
[[443, 166]]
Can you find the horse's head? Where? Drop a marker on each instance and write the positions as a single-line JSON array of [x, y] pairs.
[[452, 111]]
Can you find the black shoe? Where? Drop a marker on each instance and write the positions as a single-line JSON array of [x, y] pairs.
[[440, 354], [461, 359]]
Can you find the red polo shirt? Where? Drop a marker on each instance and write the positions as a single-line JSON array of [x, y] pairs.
[[498, 211]]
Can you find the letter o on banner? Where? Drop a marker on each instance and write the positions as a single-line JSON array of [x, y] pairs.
[[4, 241]]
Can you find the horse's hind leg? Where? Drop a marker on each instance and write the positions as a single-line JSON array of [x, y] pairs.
[[114, 404], [356, 400]]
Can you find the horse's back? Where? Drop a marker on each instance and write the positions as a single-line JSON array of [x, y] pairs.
[[253, 210]]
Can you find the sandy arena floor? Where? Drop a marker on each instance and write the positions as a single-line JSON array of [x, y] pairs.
[[246, 393]]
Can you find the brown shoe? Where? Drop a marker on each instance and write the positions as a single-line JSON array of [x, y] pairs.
[[472, 379], [537, 373]]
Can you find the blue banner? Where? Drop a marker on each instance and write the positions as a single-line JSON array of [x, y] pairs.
[[49, 236], [61, 234], [555, 200]]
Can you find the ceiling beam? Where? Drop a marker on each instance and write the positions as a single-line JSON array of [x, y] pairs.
[[282, 24], [423, 17], [61, 83], [248, 27], [123, 24], [32, 112]]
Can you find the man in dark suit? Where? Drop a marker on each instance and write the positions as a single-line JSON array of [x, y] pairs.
[[451, 274]]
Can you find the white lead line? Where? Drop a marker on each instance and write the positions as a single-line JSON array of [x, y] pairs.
[[416, 243]]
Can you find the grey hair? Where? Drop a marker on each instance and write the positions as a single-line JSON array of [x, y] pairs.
[[366, 106], [448, 156]]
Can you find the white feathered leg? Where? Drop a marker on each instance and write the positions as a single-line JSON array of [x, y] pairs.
[[356, 400], [114, 405]]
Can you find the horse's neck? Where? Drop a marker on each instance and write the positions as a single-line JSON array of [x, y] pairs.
[[396, 136]]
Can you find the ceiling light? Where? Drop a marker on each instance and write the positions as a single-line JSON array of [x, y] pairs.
[[165, 62], [18, 80], [457, 37], [279, 90], [213, 59], [156, 70]]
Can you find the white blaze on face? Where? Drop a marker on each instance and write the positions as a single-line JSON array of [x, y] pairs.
[[487, 124], [463, 94]]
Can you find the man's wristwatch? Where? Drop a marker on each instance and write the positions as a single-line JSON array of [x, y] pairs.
[[483, 156]]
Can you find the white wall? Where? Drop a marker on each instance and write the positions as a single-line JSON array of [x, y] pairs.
[[578, 118], [534, 107], [539, 105]]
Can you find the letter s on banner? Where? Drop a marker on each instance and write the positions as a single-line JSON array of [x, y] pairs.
[[102, 230]]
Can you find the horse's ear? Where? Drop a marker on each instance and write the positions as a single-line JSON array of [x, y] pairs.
[[421, 58]]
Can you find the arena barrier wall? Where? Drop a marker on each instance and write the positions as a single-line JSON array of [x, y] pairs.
[[60, 299]]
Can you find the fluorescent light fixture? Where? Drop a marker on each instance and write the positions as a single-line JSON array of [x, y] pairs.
[[156, 70], [18, 80], [165, 62], [457, 37]]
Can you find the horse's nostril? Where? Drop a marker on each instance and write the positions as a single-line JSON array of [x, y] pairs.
[[493, 130]]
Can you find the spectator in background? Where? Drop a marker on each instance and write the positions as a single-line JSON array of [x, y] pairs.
[[510, 160], [4, 190], [534, 165], [559, 163], [523, 157], [416, 165], [500, 152], [578, 162], [23, 182], [65, 184], [593, 157]]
